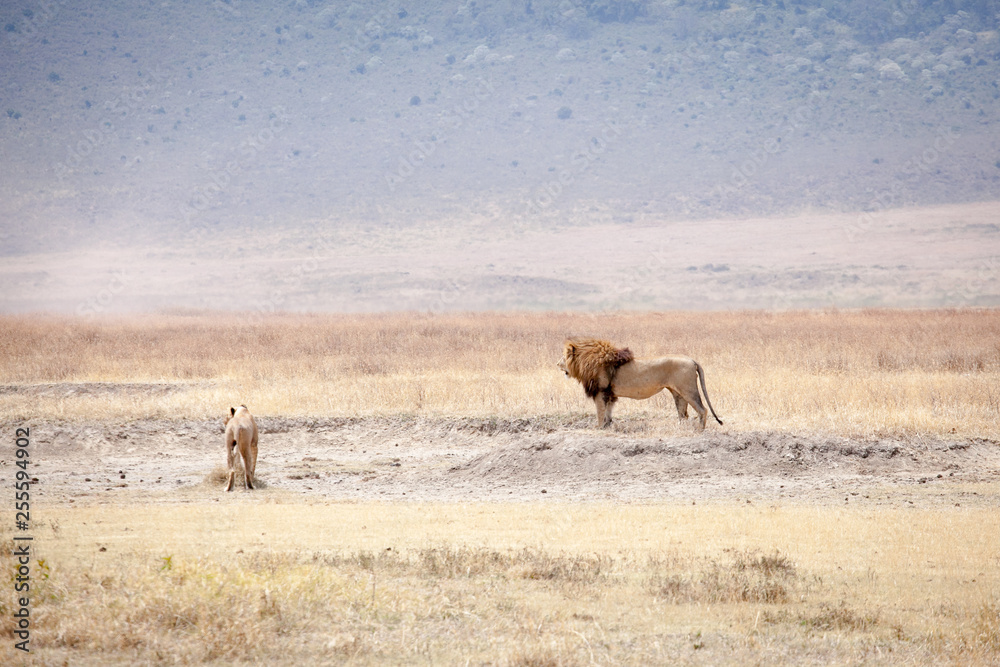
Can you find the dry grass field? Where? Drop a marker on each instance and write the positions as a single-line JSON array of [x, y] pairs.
[[383, 532], [847, 372], [516, 584]]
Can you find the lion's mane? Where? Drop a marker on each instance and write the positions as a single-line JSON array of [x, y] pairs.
[[593, 362]]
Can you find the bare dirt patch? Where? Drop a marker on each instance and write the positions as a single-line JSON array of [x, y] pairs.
[[466, 459]]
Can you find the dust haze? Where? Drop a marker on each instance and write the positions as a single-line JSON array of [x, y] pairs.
[[582, 154]]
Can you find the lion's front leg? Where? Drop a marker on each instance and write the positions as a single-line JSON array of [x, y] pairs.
[[609, 405], [599, 402], [605, 402]]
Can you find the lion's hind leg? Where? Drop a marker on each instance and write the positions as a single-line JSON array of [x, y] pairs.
[[694, 400], [700, 409], [680, 403]]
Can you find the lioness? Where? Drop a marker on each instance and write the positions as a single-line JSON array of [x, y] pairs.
[[607, 373], [241, 432]]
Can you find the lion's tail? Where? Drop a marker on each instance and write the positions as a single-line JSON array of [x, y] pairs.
[[701, 376]]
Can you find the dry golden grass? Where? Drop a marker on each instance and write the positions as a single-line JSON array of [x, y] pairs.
[[854, 372], [250, 579], [513, 584]]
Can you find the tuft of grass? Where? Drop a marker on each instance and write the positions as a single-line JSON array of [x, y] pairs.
[[749, 577], [839, 618], [463, 562], [219, 475], [986, 628], [537, 657]]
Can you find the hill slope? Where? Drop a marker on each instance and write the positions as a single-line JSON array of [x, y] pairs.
[[214, 130], [169, 115]]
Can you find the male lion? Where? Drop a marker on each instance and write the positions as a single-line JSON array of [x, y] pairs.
[[607, 373], [241, 433]]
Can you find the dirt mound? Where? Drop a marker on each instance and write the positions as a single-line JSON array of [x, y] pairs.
[[579, 458], [488, 459]]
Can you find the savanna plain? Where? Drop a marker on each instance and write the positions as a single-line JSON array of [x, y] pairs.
[[433, 490]]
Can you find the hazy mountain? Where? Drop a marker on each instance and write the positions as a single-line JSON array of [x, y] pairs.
[[151, 122]]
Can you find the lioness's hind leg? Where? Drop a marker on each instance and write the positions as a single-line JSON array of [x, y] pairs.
[[252, 464], [231, 463], [247, 470], [247, 455]]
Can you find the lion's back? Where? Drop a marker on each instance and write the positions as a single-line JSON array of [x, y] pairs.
[[241, 426]]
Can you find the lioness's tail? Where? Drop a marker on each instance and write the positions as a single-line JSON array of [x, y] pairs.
[[701, 376]]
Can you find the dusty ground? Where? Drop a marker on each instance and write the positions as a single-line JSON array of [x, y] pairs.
[[469, 459]]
